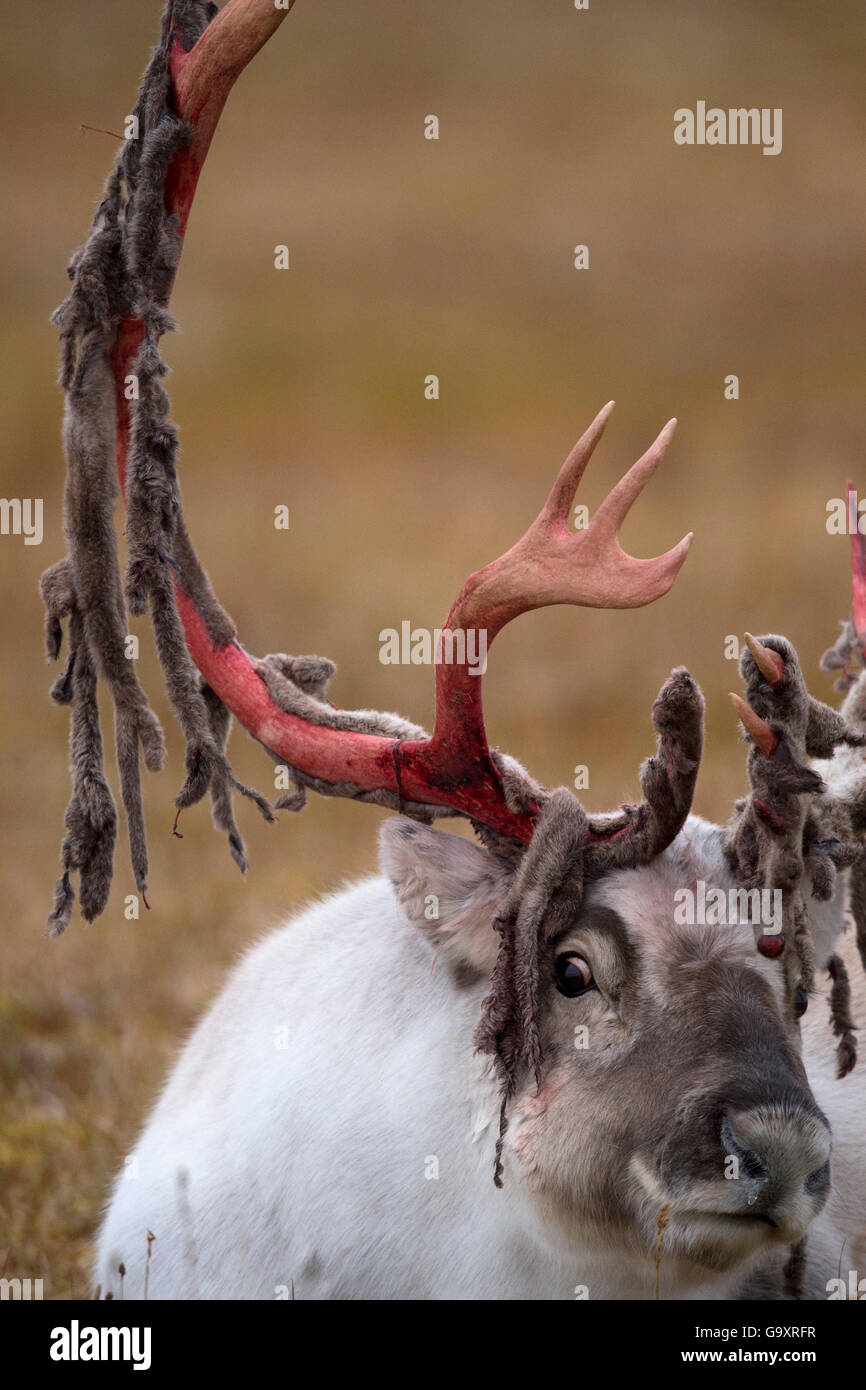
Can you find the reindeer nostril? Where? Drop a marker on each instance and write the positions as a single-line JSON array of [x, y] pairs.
[[777, 1154], [750, 1163]]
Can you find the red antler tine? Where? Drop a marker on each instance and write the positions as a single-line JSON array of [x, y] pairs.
[[768, 661], [756, 727]]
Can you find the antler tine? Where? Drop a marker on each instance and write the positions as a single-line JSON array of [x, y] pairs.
[[639, 581], [557, 508], [667, 781], [757, 728], [769, 663], [616, 506]]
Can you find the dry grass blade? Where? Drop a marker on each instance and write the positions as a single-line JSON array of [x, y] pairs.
[[661, 1227]]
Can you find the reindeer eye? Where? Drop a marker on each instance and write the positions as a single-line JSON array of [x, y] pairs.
[[801, 1001], [573, 974]]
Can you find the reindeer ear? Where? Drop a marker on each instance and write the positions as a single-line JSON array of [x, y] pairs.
[[448, 887]]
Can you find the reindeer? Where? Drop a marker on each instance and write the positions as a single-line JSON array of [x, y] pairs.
[[511, 1070]]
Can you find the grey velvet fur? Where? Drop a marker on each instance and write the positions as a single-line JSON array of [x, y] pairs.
[[845, 656], [125, 269], [789, 832]]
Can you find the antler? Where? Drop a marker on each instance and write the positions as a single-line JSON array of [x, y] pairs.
[[201, 80], [553, 564], [110, 328], [788, 826], [550, 563]]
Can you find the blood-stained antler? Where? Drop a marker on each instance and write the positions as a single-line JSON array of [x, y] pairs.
[[455, 769], [111, 325], [550, 564]]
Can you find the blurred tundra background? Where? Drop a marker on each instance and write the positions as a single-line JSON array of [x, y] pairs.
[[305, 388]]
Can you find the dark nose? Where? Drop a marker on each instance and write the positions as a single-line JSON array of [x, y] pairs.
[[783, 1158]]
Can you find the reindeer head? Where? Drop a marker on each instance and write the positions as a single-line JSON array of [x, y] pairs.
[[667, 1076]]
